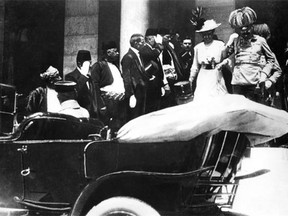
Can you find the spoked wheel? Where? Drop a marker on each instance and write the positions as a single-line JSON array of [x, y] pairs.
[[122, 206]]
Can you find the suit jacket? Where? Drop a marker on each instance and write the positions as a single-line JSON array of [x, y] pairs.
[[178, 67], [153, 66], [134, 75], [186, 59], [101, 74], [135, 83], [85, 97]]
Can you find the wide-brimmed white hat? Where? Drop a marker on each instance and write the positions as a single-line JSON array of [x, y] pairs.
[[209, 25]]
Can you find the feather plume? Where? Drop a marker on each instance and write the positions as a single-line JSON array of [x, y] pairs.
[[196, 19]]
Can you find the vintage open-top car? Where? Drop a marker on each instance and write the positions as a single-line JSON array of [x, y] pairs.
[[178, 161]]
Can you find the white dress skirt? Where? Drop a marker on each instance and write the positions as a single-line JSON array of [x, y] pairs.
[[210, 83]]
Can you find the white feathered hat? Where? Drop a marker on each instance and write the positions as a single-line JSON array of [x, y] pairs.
[[209, 25]]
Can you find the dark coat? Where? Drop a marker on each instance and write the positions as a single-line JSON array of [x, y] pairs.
[[101, 74], [134, 75], [186, 60], [178, 67], [85, 96], [153, 66], [135, 82]]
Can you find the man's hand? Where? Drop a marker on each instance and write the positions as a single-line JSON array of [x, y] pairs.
[[162, 91], [160, 46], [231, 39], [170, 73]]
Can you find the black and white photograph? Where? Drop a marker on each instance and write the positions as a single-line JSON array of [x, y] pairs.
[[143, 107]]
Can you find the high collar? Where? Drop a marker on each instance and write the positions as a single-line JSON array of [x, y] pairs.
[[70, 104], [81, 72], [134, 50]]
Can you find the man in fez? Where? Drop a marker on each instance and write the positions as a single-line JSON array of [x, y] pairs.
[[84, 87], [109, 84]]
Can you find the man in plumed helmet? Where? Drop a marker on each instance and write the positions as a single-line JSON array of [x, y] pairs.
[[84, 87], [249, 74], [109, 85]]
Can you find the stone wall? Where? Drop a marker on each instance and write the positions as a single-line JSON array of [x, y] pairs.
[[81, 30], [219, 11]]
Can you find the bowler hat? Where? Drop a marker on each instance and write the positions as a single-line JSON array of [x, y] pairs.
[[83, 55], [65, 86]]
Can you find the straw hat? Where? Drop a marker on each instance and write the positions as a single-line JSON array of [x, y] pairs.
[[209, 25]]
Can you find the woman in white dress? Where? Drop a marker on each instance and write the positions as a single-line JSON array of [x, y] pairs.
[[207, 54]]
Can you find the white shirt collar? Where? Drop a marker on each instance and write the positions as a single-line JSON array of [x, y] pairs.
[[70, 104], [135, 50], [81, 72], [149, 45]]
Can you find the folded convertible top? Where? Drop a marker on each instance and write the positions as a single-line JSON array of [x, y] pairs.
[[235, 113]]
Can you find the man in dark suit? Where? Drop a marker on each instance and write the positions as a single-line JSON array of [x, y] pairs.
[[173, 70], [150, 57], [135, 78], [84, 88], [186, 56], [109, 85], [170, 58]]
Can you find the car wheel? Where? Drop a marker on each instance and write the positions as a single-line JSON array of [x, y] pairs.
[[122, 206]]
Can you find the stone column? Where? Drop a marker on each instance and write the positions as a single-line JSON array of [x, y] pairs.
[[219, 11], [134, 19], [81, 30]]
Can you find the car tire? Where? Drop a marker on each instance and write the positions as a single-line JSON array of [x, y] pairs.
[[126, 206]]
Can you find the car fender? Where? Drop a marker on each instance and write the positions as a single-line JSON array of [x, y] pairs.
[[145, 186]]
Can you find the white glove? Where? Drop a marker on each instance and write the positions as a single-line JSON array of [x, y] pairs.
[[231, 39], [162, 91], [158, 39], [132, 101], [268, 84], [221, 64]]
